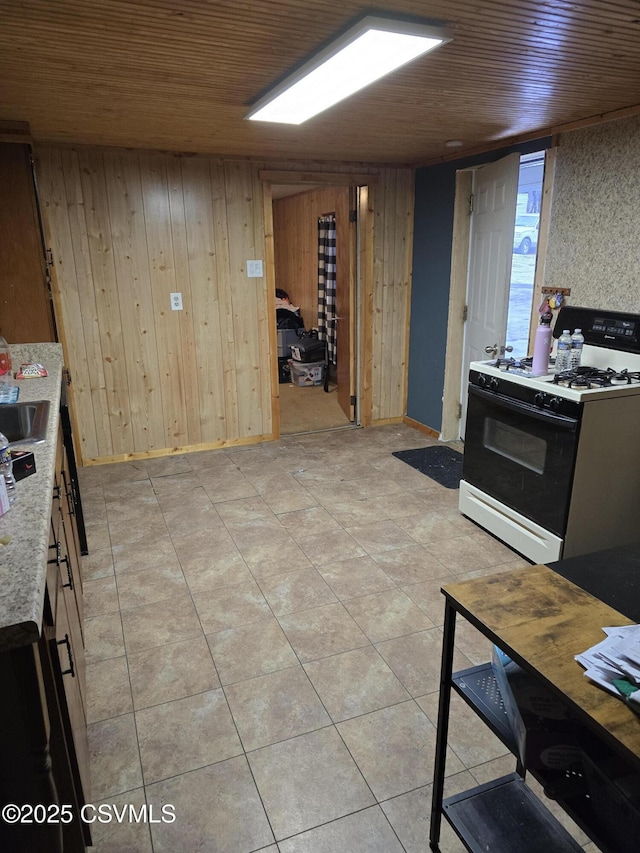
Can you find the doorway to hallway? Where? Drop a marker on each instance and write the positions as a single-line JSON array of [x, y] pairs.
[[323, 288]]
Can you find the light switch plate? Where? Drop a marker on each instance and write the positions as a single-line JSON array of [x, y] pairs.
[[254, 269], [176, 302]]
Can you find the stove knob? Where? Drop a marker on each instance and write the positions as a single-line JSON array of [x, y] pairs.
[[539, 399], [482, 380], [493, 384], [554, 403]]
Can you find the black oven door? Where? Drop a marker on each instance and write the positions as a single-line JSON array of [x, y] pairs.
[[522, 456]]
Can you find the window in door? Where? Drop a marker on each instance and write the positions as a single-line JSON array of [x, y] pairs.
[[525, 245]]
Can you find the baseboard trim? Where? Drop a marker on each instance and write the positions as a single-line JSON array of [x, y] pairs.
[[421, 427]]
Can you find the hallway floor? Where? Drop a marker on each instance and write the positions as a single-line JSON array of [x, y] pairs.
[[309, 409], [263, 631]]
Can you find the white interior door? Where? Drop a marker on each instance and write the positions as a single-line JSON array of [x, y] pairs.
[[495, 193]]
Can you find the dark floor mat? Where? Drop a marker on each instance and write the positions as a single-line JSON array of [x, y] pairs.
[[442, 464]]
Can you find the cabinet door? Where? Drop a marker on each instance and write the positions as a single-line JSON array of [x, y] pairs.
[[25, 307], [71, 536], [69, 668], [69, 632]]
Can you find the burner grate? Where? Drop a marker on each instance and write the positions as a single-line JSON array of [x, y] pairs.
[[513, 364], [585, 378]]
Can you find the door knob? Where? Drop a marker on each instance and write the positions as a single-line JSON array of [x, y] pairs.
[[505, 349], [491, 350]]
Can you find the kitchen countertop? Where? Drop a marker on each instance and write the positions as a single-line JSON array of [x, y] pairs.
[[23, 561], [612, 575]]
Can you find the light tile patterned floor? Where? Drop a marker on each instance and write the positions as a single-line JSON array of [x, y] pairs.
[[263, 630]]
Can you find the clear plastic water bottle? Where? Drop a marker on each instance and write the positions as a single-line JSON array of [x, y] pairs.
[[577, 342], [6, 468], [563, 352]]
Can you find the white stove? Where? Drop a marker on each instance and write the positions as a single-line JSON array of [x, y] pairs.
[[552, 463], [603, 373]]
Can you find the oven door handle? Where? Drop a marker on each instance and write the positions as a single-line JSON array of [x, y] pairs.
[[562, 421]]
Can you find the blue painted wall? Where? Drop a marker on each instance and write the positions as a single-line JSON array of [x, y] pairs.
[[433, 232]]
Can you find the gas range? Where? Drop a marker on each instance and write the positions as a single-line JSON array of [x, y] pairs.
[[604, 373], [552, 463]]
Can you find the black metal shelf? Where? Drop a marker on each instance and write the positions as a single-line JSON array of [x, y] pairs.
[[479, 689], [503, 816]]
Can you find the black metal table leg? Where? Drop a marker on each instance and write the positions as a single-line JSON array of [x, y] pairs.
[[446, 671]]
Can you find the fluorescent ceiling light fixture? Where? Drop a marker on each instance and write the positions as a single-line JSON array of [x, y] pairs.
[[368, 51]]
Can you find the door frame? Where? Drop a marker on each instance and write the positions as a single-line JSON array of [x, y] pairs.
[[360, 270], [460, 244], [451, 403]]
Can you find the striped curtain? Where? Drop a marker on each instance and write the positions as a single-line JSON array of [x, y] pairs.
[[327, 284]]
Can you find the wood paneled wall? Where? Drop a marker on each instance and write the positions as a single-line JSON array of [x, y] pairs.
[[127, 229], [295, 236]]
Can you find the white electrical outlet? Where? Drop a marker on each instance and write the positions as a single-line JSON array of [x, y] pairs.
[[254, 269], [176, 302]]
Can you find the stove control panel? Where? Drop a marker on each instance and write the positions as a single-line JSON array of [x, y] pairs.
[[502, 388], [492, 383], [610, 329], [547, 401]]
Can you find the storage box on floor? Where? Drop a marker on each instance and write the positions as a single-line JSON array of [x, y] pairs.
[[308, 349], [286, 337], [303, 373]]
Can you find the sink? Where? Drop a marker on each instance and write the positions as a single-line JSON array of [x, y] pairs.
[[24, 423]]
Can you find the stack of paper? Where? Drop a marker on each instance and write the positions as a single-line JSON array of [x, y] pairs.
[[614, 663]]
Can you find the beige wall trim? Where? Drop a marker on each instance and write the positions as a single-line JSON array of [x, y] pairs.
[[330, 178], [543, 240], [425, 430], [386, 421], [270, 274], [175, 451], [365, 217], [457, 299], [600, 118], [407, 306]]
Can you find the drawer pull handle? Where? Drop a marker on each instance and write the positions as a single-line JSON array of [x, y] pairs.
[[56, 493], [58, 557], [71, 503], [69, 585], [71, 671]]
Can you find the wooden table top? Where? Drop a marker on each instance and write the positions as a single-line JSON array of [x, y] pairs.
[[542, 621]]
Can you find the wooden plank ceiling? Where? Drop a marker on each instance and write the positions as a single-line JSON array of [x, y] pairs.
[[181, 74]]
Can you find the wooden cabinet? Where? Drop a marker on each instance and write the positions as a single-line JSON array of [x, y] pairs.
[[44, 755], [541, 621], [64, 650], [26, 312]]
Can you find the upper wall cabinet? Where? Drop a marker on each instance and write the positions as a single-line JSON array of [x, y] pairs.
[[25, 305]]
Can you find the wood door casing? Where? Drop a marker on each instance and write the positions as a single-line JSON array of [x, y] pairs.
[[296, 263]]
